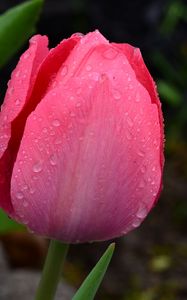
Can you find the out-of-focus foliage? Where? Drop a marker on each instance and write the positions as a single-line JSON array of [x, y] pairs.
[[172, 69], [7, 224], [16, 26]]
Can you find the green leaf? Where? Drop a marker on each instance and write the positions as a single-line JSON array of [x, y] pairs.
[[91, 284], [7, 224], [16, 26], [169, 93], [175, 12]]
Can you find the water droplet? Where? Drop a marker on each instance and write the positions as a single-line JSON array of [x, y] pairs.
[[88, 68], [53, 159], [116, 94], [110, 53], [129, 135], [5, 118], [141, 184], [52, 132], [44, 130], [153, 169], [72, 114], [155, 143], [25, 203], [58, 141], [32, 190], [25, 187], [10, 91], [143, 169], [79, 34], [56, 123], [129, 121], [64, 71], [78, 104], [136, 222], [94, 75], [142, 212], [141, 153], [24, 221], [37, 167], [71, 98], [17, 73], [26, 55], [79, 90], [19, 195]]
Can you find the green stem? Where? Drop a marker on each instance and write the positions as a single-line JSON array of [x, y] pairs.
[[52, 270]]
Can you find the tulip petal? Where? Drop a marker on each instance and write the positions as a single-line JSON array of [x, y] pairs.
[[19, 89], [20, 86], [88, 166], [30, 94], [143, 76]]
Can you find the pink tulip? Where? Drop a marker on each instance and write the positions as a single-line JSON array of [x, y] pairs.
[[81, 139]]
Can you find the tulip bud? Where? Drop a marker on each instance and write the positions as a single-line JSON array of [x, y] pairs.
[[81, 139]]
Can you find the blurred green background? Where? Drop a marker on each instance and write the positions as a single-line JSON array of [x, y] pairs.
[[151, 262]]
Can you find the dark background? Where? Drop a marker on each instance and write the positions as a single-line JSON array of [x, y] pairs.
[[135, 22], [151, 262]]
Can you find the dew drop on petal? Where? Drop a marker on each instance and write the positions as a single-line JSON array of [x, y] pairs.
[[116, 94], [143, 169], [141, 184], [26, 55], [19, 195], [136, 222], [79, 34], [58, 141], [72, 114], [110, 53], [79, 91], [64, 70], [53, 159], [17, 74], [78, 104], [17, 102], [37, 167], [129, 135], [88, 68], [52, 132], [141, 153], [129, 121], [44, 130], [32, 190], [25, 203], [142, 212], [10, 91], [56, 123]]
